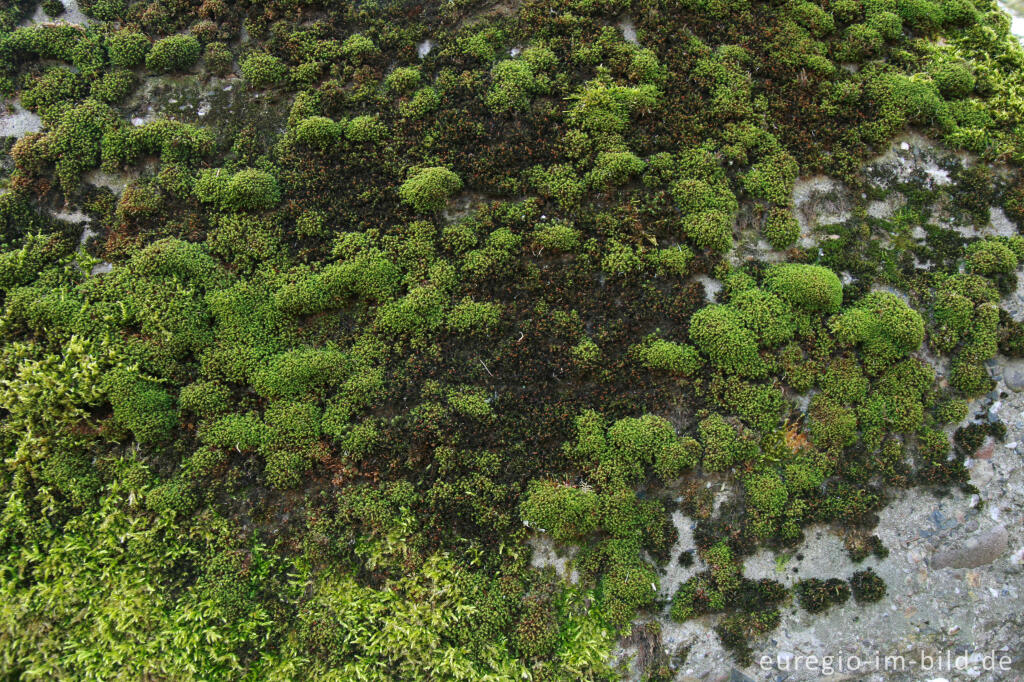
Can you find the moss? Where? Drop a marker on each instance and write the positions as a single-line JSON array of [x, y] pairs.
[[885, 327], [666, 356], [767, 315], [428, 189], [817, 595], [954, 79], [319, 132], [807, 287], [218, 59], [781, 229], [991, 257], [844, 381], [614, 168], [621, 259], [204, 398], [174, 53], [247, 190], [567, 513], [867, 587], [127, 48], [718, 331], [113, 86], [723, 446], [514, 83], [263, 70], [557, 235], [633, 444], [772, 179], [832, 426], [365, 128], [56, 85], [141, 406], [173, 496]]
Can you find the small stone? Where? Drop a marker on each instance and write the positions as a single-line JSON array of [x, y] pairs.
[[986, 450], [977, 551], [982, 472], [1015, 380], [738, 676], [972, 526]]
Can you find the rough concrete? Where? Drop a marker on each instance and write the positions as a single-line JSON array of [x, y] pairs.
[[71, 15], [18, 121]]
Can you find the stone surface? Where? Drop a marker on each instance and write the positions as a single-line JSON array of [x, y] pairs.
[[977, 551]]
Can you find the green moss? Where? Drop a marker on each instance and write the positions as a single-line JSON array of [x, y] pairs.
[[666, 356], [428, 189], [127, 48], [817, 595], [772, 179], [831, 425], [723, 446], [358, 47], [867, 586], [514, 83], [247, 190], [718, 331], [954, 79], [991, 257], [768, 316], [885, 327], [319, 132], [614, 168], [567, 513], [141, 406], [174, 53], [204, 398], [218, 59], [811, 288], [781, 229]]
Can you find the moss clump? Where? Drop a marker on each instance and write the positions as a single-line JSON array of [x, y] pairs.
[[883, 325], [428, 189], [247, 190], [127, 48], [811, 288], [567, 513], [718, 331], [781, 229], [666, 356], [263, 70], [141, 406], [174, 53], [817, 595], [867, 587]]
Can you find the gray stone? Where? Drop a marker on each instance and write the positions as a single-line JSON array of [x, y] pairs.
[[1015, 380], [977, 551], [738, 676]]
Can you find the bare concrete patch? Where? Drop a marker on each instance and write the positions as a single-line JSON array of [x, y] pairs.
[[546, 553], [71, 15], [819, 200], [18, 121]]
